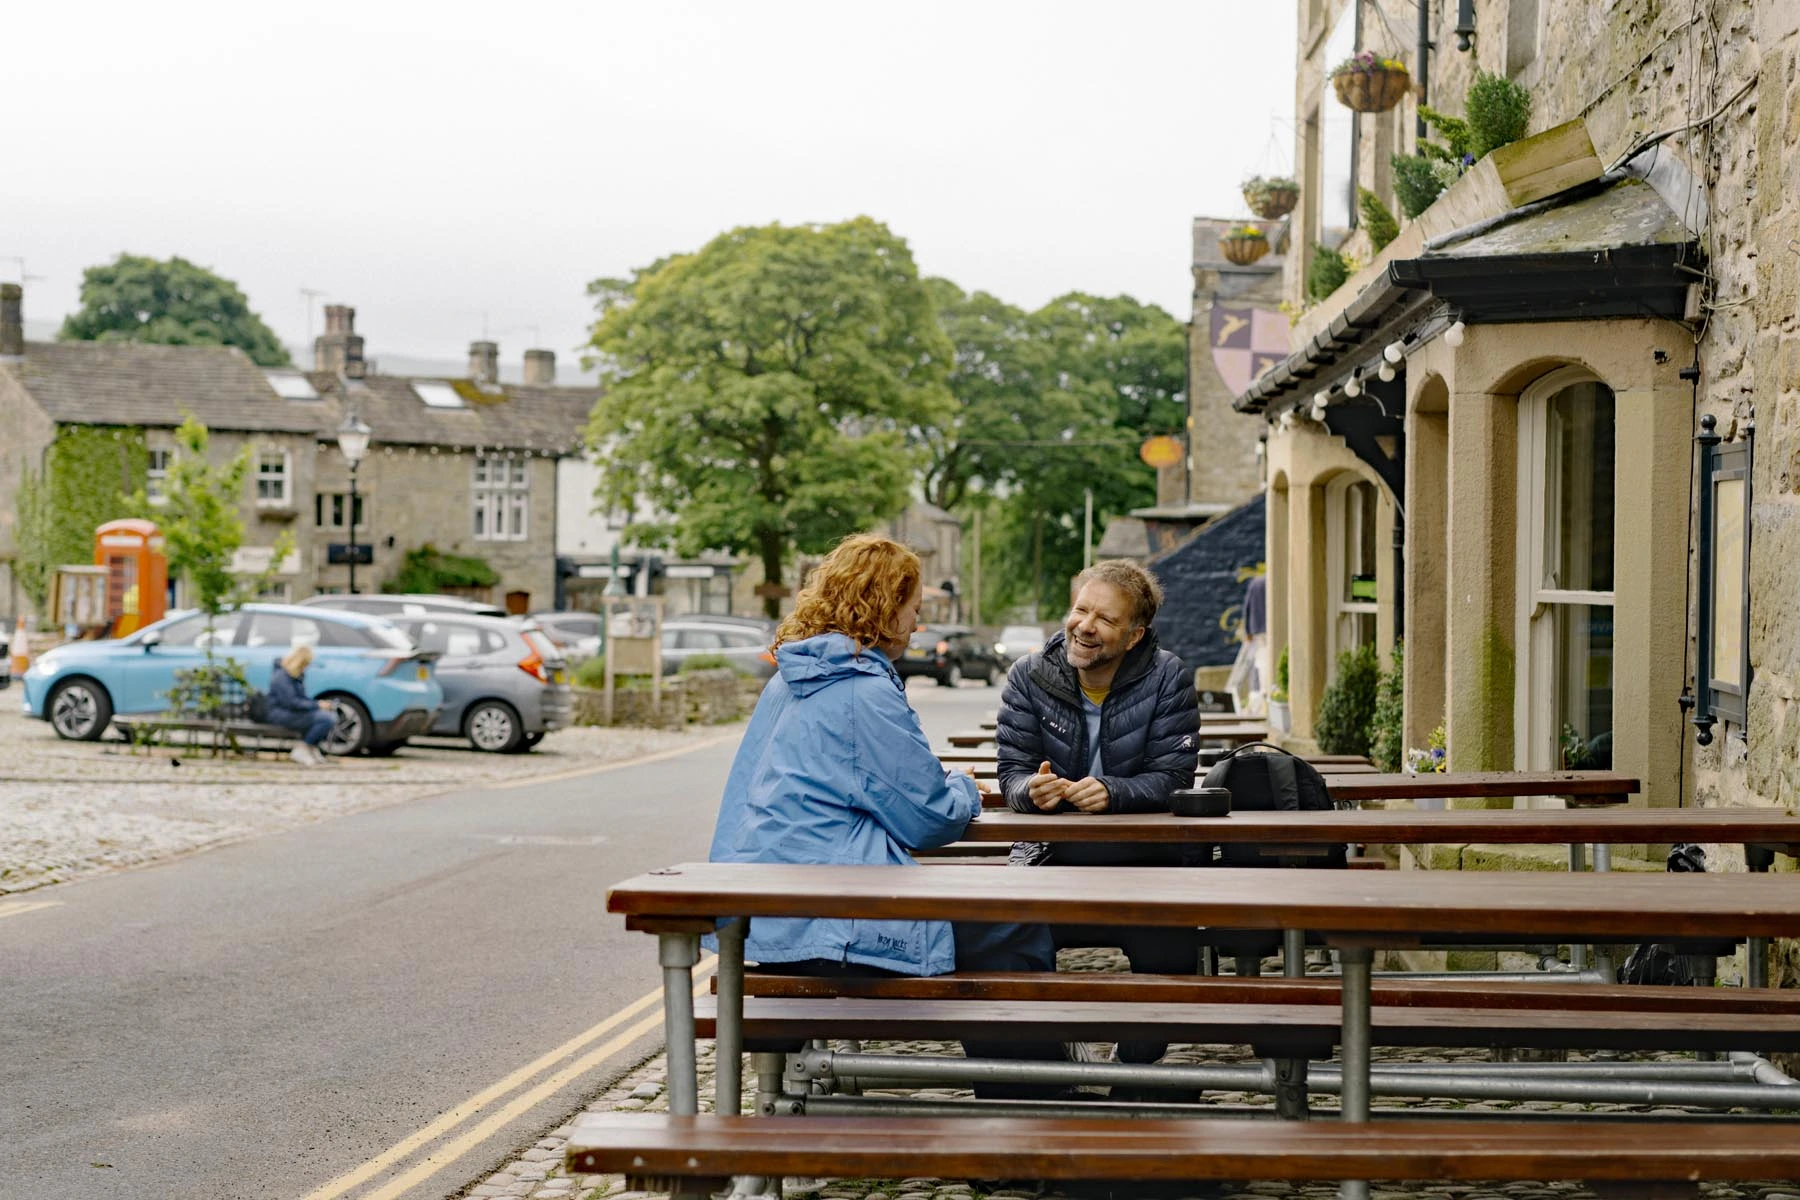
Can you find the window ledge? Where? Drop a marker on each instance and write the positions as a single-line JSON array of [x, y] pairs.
[[267, 511]]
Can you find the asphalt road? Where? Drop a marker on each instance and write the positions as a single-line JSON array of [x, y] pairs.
[[386, 1005]]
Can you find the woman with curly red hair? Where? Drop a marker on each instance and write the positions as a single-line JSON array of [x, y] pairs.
[[835, 768]]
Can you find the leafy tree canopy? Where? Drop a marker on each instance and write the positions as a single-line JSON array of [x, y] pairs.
[[760, 391], [1051, 404], [202, 524], [173, 303]]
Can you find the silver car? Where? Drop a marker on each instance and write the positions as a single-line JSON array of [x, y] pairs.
[[505, 683], [743, 642]]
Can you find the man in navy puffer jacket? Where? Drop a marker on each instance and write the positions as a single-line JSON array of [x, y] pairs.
[[1101, 720]]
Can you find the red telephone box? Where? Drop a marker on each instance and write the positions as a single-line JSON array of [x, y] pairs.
[[137, 574]]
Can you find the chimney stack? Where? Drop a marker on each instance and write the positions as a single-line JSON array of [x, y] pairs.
[[540, 368], [339, 350], [12, 320], [484, 362]]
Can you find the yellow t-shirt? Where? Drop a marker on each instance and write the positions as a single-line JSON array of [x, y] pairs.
[[1097, 695]]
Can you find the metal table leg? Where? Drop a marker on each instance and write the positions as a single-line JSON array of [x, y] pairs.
[[1293, 953], [1356, 963], [678, 952], [728, 1050], [1603, 962], [1756, 950]]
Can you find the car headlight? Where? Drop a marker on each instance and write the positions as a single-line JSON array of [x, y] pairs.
[[45, 665]]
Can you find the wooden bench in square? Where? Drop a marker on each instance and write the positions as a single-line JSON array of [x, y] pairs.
[[694, 1154]]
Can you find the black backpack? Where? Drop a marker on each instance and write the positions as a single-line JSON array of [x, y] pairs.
[[256, 706], [1265, 778]]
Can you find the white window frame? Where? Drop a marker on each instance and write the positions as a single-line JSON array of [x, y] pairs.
[[1536, 733], [156, 474], [500, 498], [1338, 513], [285, 478]]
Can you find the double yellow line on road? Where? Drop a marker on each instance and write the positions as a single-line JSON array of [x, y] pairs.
[[554, 1078]]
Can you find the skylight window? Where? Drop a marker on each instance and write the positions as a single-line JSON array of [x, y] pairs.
[[290, 385], [437, 395]]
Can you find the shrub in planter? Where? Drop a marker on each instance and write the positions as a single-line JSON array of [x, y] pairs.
[[1376, 219], [1499, 113], [1326, 273], [1271, 198], [1347, 709], [1387, 730]]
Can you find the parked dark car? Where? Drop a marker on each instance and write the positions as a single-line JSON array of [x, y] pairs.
[[741, 641], [505, 683], [949, 654]]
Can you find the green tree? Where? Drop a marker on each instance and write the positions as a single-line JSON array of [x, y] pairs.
[[999, 377], [201, 523], [88, 473], [1116, 374], [173, 303], [760, 392]]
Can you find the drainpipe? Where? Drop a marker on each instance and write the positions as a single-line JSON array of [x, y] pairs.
[[1424, 62]]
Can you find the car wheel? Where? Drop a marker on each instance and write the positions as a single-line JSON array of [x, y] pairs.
[[532, 739], [353, 731], [492, 726], [79, 710], [951, 677]]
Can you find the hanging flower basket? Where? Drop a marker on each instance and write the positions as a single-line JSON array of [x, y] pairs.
[[1244, 245], [1271, 199], [1370, 83]]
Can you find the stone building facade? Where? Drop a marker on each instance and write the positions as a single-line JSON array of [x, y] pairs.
[[467, 465], [1557, 327]]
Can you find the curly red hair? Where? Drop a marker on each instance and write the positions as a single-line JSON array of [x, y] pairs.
[[857, 591]]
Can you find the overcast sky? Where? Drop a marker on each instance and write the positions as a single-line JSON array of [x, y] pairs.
[[437, 165]]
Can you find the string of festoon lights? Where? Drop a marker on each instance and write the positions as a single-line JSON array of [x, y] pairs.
[[1392, 356]]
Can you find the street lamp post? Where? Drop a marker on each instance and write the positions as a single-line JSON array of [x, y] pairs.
[[353, 443]]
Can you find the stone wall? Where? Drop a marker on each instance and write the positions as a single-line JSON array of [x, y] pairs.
[[691, 698], [1717, 87]]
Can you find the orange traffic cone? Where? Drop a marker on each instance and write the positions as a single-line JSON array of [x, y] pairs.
[[21, 651]]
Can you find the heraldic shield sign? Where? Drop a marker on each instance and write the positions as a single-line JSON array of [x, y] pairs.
[[1246, 342]]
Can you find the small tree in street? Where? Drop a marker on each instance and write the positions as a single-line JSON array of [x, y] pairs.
[[202, 531]]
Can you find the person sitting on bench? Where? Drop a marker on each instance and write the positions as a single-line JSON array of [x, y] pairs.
[[1102, 720], [834, 768], [290, 708]]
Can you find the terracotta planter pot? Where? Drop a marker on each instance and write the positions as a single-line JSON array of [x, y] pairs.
[[1243, 250], [1370, 91], [1273, 203]]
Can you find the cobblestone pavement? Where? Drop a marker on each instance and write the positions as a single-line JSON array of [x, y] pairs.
[[539, 1174], [70, 809]]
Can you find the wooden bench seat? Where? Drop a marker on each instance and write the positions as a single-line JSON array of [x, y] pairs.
[[1273, 1029], [652, 1149], [230, 732], [1387, 992]]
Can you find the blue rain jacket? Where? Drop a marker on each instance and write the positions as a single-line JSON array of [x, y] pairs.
[[834, 768]]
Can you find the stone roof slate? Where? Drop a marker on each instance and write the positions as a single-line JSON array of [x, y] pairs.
[[129, 383]]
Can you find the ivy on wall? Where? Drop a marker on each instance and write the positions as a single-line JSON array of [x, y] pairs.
[[88, 473], [428, 569]]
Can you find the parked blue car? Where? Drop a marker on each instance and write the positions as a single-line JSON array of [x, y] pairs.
[[385, 690]]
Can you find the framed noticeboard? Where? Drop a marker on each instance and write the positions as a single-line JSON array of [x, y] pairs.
[[1722, 604]]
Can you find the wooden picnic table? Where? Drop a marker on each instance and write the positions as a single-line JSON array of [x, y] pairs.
[[1236, 733], [1579, 788], [1355, 913], [1772, 828]]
